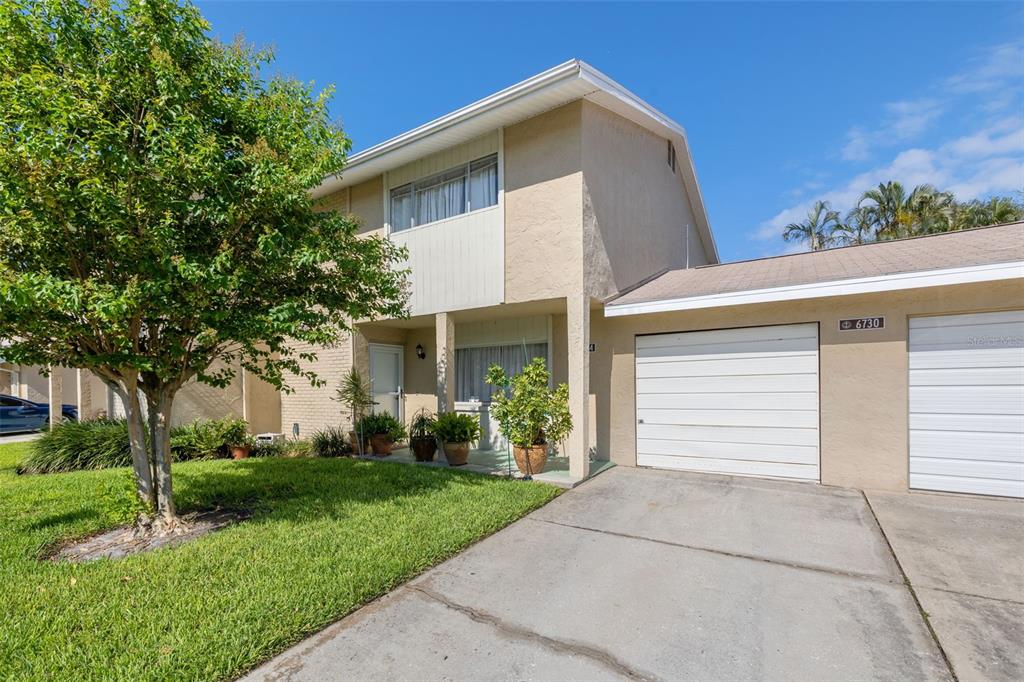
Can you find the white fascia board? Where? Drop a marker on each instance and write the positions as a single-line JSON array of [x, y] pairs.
[[842, 287]]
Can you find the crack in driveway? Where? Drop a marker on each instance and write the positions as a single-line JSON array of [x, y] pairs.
[[599, 656]]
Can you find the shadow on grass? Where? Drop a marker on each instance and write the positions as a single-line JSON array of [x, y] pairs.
[[304, 487], [62, 519]]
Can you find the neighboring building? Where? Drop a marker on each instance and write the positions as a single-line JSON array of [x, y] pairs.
[[562, 218]]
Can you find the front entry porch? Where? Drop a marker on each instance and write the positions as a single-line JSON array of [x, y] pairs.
[[443, 359]]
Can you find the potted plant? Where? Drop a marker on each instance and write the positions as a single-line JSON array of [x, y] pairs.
[[383, 430], [421, 436], [354, 393], [529, 414], [238, 439], [456, 431]]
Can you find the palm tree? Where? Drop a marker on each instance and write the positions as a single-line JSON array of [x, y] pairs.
[[995, 211], [856, 229], [929, 210], [817, 231], [885, 210]]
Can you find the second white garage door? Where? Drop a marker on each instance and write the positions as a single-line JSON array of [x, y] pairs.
[[732, 401]]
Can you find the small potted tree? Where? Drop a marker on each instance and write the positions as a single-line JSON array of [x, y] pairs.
[[383, 430], [354, 393], [456, 431], [529, 414], [421, 435], [238, 439]]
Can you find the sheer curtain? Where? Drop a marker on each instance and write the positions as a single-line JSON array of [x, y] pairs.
[[471, 365], [440, 201], [483, 183]]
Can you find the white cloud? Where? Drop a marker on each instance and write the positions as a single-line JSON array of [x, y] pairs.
[[987, 159], [904, 120]]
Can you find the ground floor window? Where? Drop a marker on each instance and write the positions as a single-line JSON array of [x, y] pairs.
[[471, 366]]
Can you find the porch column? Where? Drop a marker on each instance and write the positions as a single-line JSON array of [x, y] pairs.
[[56, 385], [578, 337], [444, 329]]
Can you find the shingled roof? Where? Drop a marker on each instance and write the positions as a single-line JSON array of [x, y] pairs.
[[951, 250]]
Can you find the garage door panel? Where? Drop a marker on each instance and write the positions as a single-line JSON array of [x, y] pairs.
[[967, 403], [807, 400], [760, 383], [1003, 400], [807, 437], [790, 454], [968, 376], [999, 447], [772, 418], [729, 338], [731, 466], [974, 423], [681, 367], [735, 401], [963, 484], [1005, 471]]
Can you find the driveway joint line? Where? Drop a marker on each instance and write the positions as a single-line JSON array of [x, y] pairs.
[[910, 588], [599, 656], [733, 555], [972, 595]]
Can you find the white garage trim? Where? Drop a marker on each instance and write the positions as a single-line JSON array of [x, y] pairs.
[[731, 401], [967, 403]]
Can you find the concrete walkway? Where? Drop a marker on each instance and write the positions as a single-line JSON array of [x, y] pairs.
[[641, 574]]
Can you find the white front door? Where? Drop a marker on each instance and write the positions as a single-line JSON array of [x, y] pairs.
[[386, 379], [730, 401], [967, 403]]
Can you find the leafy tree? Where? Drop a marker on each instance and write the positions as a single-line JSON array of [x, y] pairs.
[[857, 228], [155, 219], [817, 230], [929, 210]]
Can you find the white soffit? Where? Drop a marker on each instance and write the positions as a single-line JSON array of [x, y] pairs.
[[548, 90], [842, 287]]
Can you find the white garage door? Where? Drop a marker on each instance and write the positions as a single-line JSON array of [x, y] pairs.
[[967, 403], [733, 401]]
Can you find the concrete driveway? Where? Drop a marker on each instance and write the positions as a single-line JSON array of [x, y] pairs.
[[659, 575]]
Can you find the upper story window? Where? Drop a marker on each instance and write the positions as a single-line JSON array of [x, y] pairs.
[[453, 192]]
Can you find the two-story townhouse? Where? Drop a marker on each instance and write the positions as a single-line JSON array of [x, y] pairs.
[[522, 213]]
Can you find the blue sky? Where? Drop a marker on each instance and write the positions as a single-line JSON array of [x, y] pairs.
[[783, 103]]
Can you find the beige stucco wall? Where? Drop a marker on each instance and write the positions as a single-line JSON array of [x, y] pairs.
[[636, 212], [544, 206], [863, 374]]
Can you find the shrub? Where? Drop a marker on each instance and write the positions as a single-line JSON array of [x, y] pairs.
[[70, 446], [207, 438], [119, 502], [382, 423], [455, 427], [330, 442], [422, 425], [103, 443], [529, 412], [282, 448]]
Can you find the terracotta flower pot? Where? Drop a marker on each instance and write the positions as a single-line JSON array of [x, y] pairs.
[[531, 460], [423, 448], [457, 454], [382, 444], [240, 451]]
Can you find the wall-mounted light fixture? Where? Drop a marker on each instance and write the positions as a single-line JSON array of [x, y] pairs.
[[420, 353]]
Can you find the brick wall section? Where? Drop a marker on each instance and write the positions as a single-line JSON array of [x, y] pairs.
[[312, 408]]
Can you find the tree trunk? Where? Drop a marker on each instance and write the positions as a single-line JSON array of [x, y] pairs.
[[137, 439], [160, 415]]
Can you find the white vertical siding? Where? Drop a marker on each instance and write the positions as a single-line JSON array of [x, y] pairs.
[[456, 263], [967, 403]]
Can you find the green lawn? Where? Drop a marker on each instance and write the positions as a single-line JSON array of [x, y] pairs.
[[327, 536]]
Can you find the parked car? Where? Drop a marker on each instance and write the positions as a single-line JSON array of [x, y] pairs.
[[18, 414]]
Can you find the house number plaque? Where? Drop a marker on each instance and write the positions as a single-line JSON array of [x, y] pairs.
[[861, 323]]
